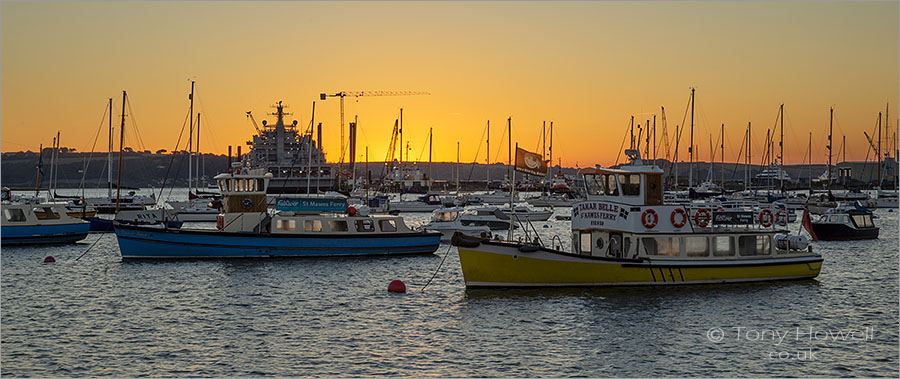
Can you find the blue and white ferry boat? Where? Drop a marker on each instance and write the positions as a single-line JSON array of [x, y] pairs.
[[26, 222], [299, 227]]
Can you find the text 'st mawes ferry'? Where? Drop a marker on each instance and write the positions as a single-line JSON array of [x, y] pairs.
[[623, 234], [295, 161]]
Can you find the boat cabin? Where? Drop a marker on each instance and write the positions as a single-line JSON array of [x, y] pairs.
[[243, 190], [633, 184]]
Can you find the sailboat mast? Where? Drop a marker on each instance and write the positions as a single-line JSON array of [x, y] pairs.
[[309, 143], [457, 168], [749, 140], [809, 162], [190, 139], [197, 149], [691, 147], [37, 182], [401, 137], [121, 143], [723, 156], [488, 152], [109, 155], [781, 148], [430, 150], [675, 158], [830, 125], [550, 170], [879, 148], [512, 182]]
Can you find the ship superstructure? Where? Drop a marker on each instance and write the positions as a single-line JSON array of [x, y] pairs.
[[295, 160]]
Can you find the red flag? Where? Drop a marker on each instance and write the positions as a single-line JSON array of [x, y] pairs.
[[807, 224]]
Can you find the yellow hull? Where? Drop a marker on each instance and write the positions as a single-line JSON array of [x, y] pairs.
[[497, 265]]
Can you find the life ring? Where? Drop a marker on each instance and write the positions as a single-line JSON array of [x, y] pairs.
[[682, 217], [649, 218], [766, 218], [781, 217], [704, 221]]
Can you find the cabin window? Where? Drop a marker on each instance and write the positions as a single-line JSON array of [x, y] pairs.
[[594, 184], [754, 245], [665, 246], [611, 188], [251, 185], [365, 226], [388, 225], [338, 225], [286, 225], [312, 225], [696, 246], [631, 184], [222, 186], [586, 243], [14, 215], [45, 213], [723, 246], [833, 218], [862, 221]]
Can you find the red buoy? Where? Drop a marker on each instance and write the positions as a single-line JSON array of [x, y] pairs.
[[49, 259], [397, 286]]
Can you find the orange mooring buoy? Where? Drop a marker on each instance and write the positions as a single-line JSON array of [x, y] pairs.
[[397, 286], [49, 259]]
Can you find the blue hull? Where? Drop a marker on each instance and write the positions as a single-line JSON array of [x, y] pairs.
[[38, 234], [100, 224], [144, 242]]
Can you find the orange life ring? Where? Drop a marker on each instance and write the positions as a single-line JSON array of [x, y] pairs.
[[702, 222], [781, 217], [649, 218], [682, 217], [766, 218]]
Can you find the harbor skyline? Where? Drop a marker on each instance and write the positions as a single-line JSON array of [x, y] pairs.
[[585, 66]]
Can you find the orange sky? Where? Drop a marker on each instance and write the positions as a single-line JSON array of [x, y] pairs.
[[586, 66]]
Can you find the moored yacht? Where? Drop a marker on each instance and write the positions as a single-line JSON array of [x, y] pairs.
[[38, 223], [624, 234], [446, 221], [845, 222]]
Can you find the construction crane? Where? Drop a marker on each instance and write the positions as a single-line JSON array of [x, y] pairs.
[[344, 94]]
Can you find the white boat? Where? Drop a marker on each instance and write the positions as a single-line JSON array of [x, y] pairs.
[[886, 199], [526, 213], [493, 197], [446, 221], [553, 200], [485, 216], [425, 203], [38, 223], [196, 210]]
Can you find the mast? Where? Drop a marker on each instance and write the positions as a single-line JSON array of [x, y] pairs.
[[691, 147], [197, 175], [109, 155], [430, 149], [654, 139], [809, 162], [190, 140], [550, 169], [401, 137], [879, 149], [488, 152], [747, 165], [675, 158], [37, 182], [830, 125], [632, 133], [309, 142], [723, 156], [457, 168], [512, 183], [121, 143], [781, 148]]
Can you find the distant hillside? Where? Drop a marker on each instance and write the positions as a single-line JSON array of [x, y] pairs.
[[145, 169]]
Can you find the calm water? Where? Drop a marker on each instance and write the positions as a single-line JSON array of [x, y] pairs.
[[99, 316]]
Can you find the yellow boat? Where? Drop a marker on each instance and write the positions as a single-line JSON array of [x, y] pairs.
[[623, 234]]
